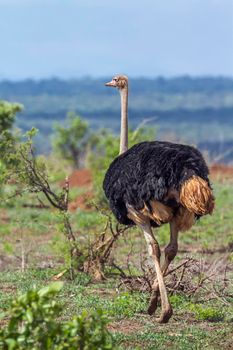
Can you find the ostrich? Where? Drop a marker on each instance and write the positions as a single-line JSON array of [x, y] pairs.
[[154, 183]]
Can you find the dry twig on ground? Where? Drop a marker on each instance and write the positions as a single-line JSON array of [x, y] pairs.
[[192, 277]]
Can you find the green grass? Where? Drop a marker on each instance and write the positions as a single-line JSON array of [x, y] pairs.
[[203, 313], [193, 326], [190, 338]]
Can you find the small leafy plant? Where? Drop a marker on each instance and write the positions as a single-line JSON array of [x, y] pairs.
[[34, 325], [207, 313]]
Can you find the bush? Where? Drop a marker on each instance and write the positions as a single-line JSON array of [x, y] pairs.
[[71, 141], [7, 114], [33, 325], [207, 313]]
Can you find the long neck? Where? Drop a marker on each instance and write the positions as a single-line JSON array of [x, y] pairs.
[[124, 120]]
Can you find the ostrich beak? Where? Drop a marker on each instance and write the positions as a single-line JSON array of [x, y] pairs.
[[111, 83]]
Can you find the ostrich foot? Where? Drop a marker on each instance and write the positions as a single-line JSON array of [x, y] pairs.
[[166, 314]]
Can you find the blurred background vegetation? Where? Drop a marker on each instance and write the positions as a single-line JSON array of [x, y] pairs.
[[197, 111]]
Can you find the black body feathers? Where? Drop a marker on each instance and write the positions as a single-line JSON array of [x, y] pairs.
[[147, 171]]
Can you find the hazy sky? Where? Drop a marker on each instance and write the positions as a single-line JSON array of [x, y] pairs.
[[73, 38]]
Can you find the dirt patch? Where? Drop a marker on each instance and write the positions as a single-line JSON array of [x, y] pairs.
[[221, 172], [80, 178], [125, 326], [4, 216], [8, 288], [103, 291], [83, 201], [7, 263]]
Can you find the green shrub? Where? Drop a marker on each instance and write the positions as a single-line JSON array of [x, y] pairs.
[[8, 112], [178, 300], [203, 313], [33, 325], [127, 304], [73, 140]]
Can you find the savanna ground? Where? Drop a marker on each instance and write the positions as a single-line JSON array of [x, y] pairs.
[[33, 251]]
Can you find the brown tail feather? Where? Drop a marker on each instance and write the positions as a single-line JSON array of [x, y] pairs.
[[196, 196]]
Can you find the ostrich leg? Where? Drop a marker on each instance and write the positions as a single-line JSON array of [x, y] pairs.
[[170, 253], [154, 252]]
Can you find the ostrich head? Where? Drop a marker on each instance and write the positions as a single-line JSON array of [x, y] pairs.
[[119, 81]]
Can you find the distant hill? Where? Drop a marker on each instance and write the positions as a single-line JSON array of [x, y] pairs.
[[194, 110]]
